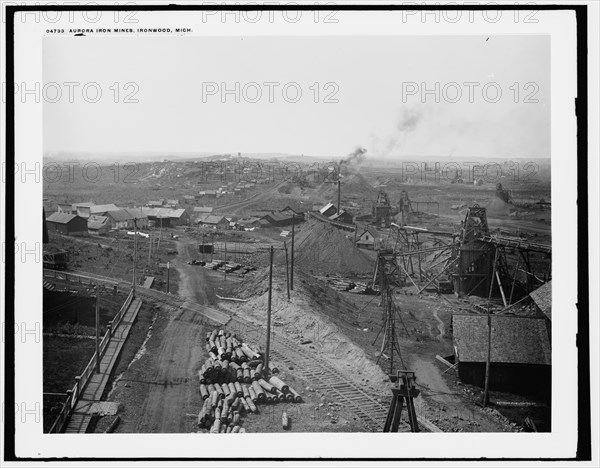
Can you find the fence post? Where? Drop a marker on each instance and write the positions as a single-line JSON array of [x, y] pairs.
[[78, 382]]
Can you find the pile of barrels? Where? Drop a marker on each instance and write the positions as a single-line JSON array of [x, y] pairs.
[[233, 380]]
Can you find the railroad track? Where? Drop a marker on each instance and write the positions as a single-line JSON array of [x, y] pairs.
[[325, 378]]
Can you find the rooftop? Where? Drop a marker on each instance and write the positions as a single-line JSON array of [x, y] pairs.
[[542, 297], [103, 208], [327, 207], [119, 215], [211, 219], [62, 218], [515, 339]]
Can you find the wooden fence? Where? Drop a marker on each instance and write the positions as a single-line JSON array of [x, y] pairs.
[[82, 380]]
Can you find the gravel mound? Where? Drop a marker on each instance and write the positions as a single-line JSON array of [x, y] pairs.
[[321, 247]]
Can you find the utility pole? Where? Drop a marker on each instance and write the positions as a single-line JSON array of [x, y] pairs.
[[287, 270], [225, 266], [292, 267], [149, 252], [269, 311], [98, 328], [134, 252], [486, 390], [168, 275]]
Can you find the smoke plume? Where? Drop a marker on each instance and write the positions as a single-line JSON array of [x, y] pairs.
[[356, 157]]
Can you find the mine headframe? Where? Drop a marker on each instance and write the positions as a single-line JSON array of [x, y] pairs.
[[475, 256], [382, 199], [475, 225], [382, 210]]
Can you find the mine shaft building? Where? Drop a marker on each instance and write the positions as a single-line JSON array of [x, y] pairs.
[[521, 353]]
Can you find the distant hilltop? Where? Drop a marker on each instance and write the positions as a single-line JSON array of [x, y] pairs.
[[160, 156]]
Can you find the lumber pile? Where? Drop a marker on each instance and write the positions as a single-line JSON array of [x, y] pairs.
[[339, 283], [233, 381]]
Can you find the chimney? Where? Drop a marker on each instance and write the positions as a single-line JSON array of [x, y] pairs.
[[339, 195]]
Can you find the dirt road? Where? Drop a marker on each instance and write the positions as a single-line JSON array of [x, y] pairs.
[[159, 390], [167, 370], [193, 279]]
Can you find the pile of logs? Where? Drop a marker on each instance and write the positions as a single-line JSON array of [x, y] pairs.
[[233, 380], [342, 284]]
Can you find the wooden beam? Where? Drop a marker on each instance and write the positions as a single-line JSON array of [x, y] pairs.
[[501, 290], [438, 275]]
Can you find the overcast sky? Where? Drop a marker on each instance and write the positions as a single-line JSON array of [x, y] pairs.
[[368, 73]]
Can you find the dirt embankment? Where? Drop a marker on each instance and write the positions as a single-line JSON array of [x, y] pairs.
[[306, 319]]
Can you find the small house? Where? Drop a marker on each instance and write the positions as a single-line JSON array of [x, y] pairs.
[[140, 217], [98, 225], [249, 223], [278, 219], [119, 219], [369, 239], [213, 221]]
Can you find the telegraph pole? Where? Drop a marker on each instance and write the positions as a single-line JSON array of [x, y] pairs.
[[486, 390], [225, 266], [287, 270], [292, 266], [134, 252], [98, 328], [269, 311]]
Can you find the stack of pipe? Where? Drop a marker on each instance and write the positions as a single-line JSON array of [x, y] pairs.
[[222, 415], [234, 379]]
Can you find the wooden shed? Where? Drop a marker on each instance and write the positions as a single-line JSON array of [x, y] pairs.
[[69, 224], [521, 352]]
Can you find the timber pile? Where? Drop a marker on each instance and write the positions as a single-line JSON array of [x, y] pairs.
[[233, 381], [342, 284]]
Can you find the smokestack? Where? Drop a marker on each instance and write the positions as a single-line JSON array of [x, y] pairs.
[[339, 195]]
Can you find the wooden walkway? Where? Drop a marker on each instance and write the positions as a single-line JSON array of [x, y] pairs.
[[82, 413]]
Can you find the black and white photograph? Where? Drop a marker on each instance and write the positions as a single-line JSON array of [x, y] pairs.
[[338, 233]]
